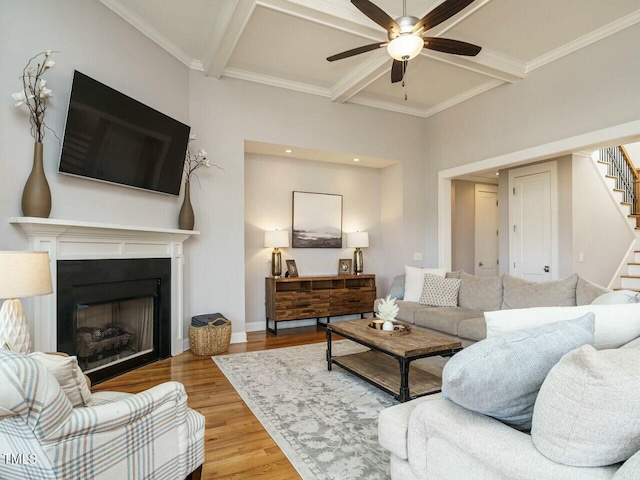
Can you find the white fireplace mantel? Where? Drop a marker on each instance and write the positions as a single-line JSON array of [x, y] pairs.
[[76, 240]]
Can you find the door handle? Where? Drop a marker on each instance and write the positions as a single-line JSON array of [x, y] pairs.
[[480, 264], [546, 269]]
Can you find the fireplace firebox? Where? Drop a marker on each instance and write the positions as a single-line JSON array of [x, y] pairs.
[[114, 315]]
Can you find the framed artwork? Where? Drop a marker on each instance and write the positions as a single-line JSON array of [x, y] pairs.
[[344, 266], [292, 270], [317, 220]]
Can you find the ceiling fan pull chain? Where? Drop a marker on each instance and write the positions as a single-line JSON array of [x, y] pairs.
[[404, 72]]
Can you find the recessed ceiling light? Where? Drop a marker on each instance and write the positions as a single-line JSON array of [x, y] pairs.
[[497, 173], [356, 159], [288, 150]]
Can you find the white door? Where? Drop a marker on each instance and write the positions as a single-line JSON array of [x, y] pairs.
[[533, 217], [486, 231]]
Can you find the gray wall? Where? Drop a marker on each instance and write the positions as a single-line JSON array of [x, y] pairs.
[[225, 113], [561, 99], [269, 182], [463, 224]]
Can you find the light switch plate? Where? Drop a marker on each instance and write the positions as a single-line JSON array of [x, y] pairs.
[[417, 256]]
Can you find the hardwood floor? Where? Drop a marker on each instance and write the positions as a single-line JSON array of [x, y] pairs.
[[236, 444]]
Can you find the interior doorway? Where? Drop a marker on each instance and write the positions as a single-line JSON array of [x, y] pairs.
[[486, 231], [533, 222]]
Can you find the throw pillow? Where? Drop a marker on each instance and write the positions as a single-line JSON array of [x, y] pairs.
[[519, 293], [480, 293], [69, 376], [397, 288], [617, 297], [414, 281], [615, 324], [500, 377], [587, 292], [629, 470], [588, 410], [440, 292]]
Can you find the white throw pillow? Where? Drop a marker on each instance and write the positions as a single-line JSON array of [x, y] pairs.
[[69, 376], [587, 413], [617, 297], [440, 292], [414, 281], [615, 324]]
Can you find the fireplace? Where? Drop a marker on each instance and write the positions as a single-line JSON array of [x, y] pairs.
[[114, 315]]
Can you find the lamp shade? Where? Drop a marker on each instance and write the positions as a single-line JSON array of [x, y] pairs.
[[357, 240], [24, 274], [276, 238]]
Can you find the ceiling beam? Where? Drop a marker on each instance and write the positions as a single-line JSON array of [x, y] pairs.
[[360, 77], [231, 19]]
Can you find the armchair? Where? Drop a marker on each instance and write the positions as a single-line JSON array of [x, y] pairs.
[[151, 435]]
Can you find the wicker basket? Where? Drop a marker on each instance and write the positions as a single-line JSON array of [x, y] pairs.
[[210, 339]]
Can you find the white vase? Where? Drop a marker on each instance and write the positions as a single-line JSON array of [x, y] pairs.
[[387, 326]]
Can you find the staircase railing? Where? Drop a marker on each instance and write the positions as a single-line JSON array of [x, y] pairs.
[[626, 175]]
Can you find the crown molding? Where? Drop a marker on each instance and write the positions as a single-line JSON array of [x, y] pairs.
[[595, 36], [146, 29], [276, 82], [483, 87]]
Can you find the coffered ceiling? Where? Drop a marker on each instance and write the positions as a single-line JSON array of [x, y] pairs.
[[285, 43]]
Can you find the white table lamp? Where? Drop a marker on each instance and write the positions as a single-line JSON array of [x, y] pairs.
[[276, 239], [358, 240], [22, 274]]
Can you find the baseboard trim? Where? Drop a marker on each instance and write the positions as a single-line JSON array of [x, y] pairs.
[[239, 337]]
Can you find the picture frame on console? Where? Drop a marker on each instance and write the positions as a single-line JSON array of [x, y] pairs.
[[292, 269], [344, 266], [317, 220]]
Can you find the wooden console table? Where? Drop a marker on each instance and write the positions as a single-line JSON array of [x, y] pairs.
[[297, 298]]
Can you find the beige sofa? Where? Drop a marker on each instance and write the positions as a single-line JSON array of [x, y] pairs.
[[483, 294]]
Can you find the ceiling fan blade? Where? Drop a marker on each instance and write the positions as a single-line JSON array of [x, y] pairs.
[[376, 14], [398, 69], [442, 12], [447, 45], [355, 51]]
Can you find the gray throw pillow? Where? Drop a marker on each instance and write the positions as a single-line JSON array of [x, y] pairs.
[[617, 297], [439, 292], [500, 376], [480, 293], [630, 470], [588, 410], [519, 293], [397, 288], [587, 292]]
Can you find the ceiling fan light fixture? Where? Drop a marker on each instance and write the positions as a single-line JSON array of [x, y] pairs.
[[405, 47]]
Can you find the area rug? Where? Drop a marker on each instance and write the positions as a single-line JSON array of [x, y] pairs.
[[326, 423]]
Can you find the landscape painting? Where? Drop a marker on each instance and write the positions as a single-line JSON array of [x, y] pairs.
[[317, 220]]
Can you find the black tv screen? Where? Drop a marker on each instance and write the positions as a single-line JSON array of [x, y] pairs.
[[114, 138]]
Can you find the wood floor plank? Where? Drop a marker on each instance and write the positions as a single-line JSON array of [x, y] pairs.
[[236, 445]]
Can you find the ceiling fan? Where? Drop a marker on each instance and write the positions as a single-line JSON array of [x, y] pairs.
[[405, 35]]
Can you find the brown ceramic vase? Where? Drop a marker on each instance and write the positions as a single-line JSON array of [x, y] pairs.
[[36, 196], [186, 219]]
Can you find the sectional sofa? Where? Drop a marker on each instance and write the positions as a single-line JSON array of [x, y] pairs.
[[484, 294]]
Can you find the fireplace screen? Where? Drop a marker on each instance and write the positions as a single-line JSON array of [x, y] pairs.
[[110, 333]]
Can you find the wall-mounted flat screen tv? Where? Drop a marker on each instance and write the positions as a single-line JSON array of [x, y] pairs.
[[114, 138]]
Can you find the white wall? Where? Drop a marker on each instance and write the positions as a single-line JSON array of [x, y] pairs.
[[561, 99], [269, 183], [225, 113]]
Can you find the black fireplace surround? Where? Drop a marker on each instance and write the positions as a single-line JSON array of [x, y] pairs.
[[94, 282]]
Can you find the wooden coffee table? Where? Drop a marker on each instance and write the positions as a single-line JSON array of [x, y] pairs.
[[387, 364]]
